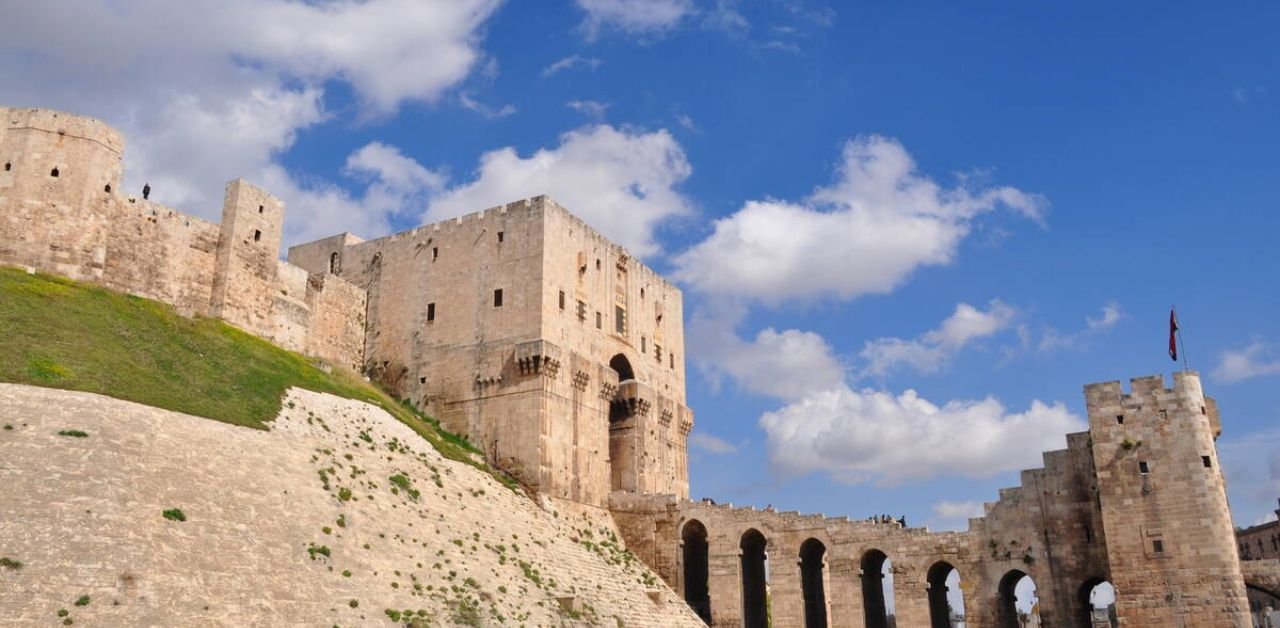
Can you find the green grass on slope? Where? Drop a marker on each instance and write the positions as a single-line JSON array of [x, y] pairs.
[[59, 333]]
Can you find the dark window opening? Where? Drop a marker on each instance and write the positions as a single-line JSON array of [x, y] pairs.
[[672, 358], [422, 380], [875, 613], [642, 344], [599, 321], [1120, 419], [696, 569], [333, 262], [1088, 535], [435, 253], [8, 165], [597, 264], [431, 312], [1157, 546], [257, 235], [261, 209], [1208, 464], [582, 311], [1142, 467], [497, 298], [812, 563], [642, 293], [107, 188], [1203, 411], [620, 320], [500, 236], [53, 173], [657, 352], [562, 299], [755, 595]]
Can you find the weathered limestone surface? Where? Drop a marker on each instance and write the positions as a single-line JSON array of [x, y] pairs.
[[62, 211], [1091, 514], [530, 375], [83, 515]]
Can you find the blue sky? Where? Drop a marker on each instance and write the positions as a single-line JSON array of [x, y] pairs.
[[908, 233]]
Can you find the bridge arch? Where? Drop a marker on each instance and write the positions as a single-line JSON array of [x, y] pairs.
[[1009, 602], [755, 578], [813, 558], [939, 581], [695, 568], [875, 611]]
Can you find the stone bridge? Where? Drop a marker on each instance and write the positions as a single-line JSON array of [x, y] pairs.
[[1262, 575]]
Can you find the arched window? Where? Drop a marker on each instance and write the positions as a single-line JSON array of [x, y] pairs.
[[696, 571], [875, 611], [333, 263], [755, 577], [812, 560], [1017, 600], [945, 600], [1097, 603]]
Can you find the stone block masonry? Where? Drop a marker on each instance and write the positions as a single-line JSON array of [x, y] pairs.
[[62, 211]]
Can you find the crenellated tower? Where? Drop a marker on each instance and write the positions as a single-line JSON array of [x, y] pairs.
[[1170, 540]]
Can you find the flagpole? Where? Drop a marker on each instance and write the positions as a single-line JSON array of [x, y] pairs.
[[1181, 348]]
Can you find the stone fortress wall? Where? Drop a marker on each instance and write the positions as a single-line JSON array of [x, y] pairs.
[[522, 328], [62, 211], [1138, 501], [561, 356]]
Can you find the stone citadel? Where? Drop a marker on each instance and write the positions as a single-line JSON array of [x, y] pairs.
[[561, 356]]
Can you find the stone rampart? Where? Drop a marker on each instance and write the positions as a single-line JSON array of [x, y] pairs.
[[62, 211]]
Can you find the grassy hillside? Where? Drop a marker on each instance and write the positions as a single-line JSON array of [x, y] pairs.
[[59, 333]]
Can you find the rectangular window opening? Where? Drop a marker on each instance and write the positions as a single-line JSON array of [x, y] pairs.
[[497, 298], [620, 320], [599, 321], [562, 299], [582, 311], [422, 380], [431, 312], [642, 344], [672, 357], [1143, 468], [500, 235], [435, 253], [1120, 419], [261, 209], [1157, 546], [257, 235], [1208, 464]]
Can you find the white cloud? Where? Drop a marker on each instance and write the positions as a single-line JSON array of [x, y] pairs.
[[634, 16], [1257, 359], [1111, 315], [207, 91], [929, 352], [620, 181], [1251, 463], [590, 108], [711, 444], [485, 111], [570, 62], [786, 364], [866, 233], [859, 436], [958, 510], [1053, 340]]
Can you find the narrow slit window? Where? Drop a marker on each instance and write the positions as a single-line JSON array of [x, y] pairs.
[[497, 298], [435, 253], [672, 358], [1206, 461], [257, 235], [500, 236], [642, 344], [1143, 468], [8, 165], [562, 299], [261, 208], [431, 312], [599, 321], [582, 311], [1120, 419]]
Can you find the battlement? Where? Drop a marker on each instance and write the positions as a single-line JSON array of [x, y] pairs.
[[59, 123]]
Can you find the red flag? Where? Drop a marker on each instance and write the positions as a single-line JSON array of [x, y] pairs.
[[1173, 340]]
